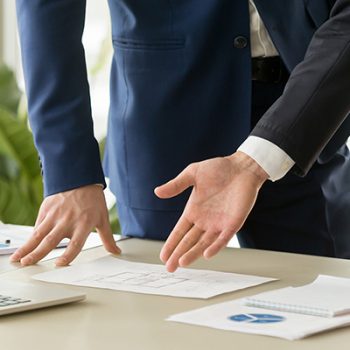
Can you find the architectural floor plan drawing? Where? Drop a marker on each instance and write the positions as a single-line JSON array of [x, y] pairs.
[[150, 280], [113, 273]]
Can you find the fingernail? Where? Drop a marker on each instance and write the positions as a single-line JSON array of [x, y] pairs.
[[171, 268], [61, 262], [207, 255], [114, 250], [27, 261], [164, 256], [14, 257]]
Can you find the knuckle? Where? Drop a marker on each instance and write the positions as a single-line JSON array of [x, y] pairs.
[[191, 168], [85, 217], [75, 244], [188, 241], [50, 239], [185, 261], [66, 219], [205, 242], [220, 243], [226, 236], [37, 235]]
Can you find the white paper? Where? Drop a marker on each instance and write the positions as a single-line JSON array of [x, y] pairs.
[[112, 273], [20, 234], [233, 316], [327, 296]]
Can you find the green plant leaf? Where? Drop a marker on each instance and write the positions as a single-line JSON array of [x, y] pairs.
[[15, 207], [8, 168], [102, 146], [16, 142], [9, 91], [36, 190], [22, 110]]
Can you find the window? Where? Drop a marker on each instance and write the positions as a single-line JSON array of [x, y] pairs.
[[9, 49], [96, 38]]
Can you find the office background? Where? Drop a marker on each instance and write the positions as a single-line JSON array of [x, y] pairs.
[[98, 48]]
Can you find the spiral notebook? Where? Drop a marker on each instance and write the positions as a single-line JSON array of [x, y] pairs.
[[327, 296]]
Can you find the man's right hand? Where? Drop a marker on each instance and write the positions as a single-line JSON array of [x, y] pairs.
[[72, 214]]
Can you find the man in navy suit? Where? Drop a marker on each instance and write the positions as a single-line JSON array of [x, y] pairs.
[[192, 81]]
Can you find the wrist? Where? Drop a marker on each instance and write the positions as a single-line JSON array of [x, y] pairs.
[[249, 166], [273, 159]]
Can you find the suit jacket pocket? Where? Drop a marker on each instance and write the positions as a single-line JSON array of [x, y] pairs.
[[160, 44], [150, 55]]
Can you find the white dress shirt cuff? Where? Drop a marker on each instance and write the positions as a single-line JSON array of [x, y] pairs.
[[270, 157]]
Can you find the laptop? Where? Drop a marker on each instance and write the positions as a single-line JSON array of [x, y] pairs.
[[18, 296]]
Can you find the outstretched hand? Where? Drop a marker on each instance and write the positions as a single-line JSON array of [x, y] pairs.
[[224, 192]]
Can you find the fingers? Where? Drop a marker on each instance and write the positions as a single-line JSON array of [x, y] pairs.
[[74, 247], [198, 249], [220, 243], [40, 218], [79, 237], [176, 186], [106, 234], [49, 243], [192, 245], [188, 241], [39, 233], [179, 231]]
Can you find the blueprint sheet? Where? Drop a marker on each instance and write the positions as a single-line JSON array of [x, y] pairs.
[[113, 273]]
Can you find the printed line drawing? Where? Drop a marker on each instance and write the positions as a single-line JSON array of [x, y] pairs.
[[150, 280]]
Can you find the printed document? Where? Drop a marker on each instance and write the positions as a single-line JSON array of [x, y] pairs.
[[233, 316], [113, 273], [290, 313]]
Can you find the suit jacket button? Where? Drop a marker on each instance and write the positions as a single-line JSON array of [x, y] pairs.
[[240, 42]]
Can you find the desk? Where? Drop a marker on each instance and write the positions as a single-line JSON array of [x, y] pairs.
[[120, 320]]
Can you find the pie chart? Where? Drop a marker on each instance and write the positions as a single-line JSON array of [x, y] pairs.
[[256, 318]]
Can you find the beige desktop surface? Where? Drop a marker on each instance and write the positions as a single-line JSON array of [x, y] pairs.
[[121, 320]]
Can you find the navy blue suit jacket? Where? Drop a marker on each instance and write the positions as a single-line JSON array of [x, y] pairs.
[[180, 89]]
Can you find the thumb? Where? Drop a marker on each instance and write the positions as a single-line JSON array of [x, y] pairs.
[[177, 185]]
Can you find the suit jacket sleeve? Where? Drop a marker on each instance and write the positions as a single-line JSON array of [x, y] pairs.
[[316, 100], [58, 93]]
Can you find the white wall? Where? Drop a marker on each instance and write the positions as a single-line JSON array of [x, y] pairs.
[[9, 43]]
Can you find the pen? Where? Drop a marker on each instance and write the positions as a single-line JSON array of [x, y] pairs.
[[6, 243]]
